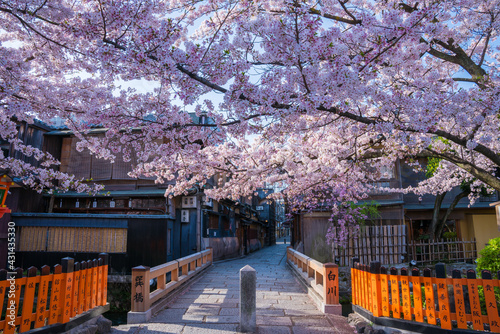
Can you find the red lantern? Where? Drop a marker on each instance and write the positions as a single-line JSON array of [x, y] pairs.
[[4, 190]]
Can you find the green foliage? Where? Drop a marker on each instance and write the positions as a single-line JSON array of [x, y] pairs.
[[449, 235], [119, 297], [370, 210], [490, 257], [432, 166], [489, 260], [345, 299]]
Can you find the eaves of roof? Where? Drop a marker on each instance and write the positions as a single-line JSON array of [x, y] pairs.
[[476, 205], [114, 193], [384, 202]]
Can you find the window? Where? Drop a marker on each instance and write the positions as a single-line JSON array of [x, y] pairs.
[[386, 172], [169, 244]]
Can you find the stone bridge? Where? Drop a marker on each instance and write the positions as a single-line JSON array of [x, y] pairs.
[[211, 302]]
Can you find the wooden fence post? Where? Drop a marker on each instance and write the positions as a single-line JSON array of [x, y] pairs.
[[13, 301], [475, 306], [99, 281], [366, 287], [331, 283], [104, 283], [82, 301], [28, 300], [95, 271], [442, 290], [68, 265], [76, 289], [88, 284], [375, 288], [394, 279], [405, 294], [140, 289], [354, 281], [55, 295], [430, 306], [417, 295], [43, 290], [458, 292], [3, 287], [384, 291], [491, 304]]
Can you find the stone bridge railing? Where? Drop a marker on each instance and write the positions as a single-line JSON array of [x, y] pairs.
[[169, 277], [321, 280]]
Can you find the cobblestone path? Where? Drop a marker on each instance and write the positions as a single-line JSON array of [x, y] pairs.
[[210, 305]]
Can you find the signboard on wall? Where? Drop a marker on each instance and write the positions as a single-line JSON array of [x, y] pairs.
[[497, 210]]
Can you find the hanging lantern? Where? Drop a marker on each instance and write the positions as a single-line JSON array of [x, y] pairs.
[[4, 190]]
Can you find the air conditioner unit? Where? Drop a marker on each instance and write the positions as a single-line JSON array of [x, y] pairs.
[[189, 202], [208, 202], [184, 216]]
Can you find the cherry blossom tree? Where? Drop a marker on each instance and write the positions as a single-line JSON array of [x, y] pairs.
[[304, 93]]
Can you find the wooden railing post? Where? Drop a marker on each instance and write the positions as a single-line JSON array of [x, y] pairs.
[[43, 290], [95, 271], [405, 294], [430, 306], [199, 262], [100, 274], [82, 302], [68, 265], [55, 294], [14, 295], [331, 283], [491, 304], [76, 289], [104, 285], [174, 275], [417, 295], [354, 281], [384, 291], [475, 306], [458, 292], [367, 286], [140, 289], [394, 279], [442, 290], [375, 288], [29, 298], [88, 284], [161, 282], [210, 255]]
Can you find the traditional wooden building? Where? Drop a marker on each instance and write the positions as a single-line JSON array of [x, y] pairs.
[[402, 223], [132, 220]]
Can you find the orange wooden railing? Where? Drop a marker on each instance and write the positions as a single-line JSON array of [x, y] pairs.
[[442, 301], [42, 298]]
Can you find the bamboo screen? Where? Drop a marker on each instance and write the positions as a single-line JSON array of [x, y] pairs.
[[72, 239]]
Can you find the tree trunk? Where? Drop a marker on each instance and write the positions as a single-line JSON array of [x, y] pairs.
[[452, 206], [435, 215]]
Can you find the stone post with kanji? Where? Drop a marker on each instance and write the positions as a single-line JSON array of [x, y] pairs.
[[140, 289], [331, 289]]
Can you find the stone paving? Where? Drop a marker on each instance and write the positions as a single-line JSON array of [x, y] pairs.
[[210, 305]]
